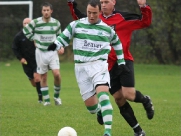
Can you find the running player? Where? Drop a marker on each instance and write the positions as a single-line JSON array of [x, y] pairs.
[[123, 87], [91, 46]]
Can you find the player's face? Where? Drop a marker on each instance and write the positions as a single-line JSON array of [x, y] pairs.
[[46, 12], [93, 14], [107, 6], [26, 21]]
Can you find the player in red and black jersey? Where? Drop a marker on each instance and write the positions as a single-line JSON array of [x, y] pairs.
[[123, 86], [24, 50]]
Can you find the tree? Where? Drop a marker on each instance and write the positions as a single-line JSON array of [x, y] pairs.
[[159, 43]]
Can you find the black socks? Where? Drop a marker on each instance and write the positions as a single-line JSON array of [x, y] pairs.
[[140, 98], [128, 114], [39, 91]]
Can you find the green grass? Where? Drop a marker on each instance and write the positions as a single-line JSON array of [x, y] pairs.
[[21, 115]]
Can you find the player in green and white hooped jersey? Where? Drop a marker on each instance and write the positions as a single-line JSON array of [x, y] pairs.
[[43, 31], [91, 46]]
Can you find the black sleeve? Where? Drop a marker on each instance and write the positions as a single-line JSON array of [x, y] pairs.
[[16, 47], [129, 16]]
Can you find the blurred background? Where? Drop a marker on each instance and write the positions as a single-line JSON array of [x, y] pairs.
[[158, 44]]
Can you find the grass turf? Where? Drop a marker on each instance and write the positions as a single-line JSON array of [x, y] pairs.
[[22, 115]]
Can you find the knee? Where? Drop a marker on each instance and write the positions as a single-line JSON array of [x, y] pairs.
[[120, 100], [57, 76], [33, 83], [36, 78], [128, 93], [93, 109], [43, 78]]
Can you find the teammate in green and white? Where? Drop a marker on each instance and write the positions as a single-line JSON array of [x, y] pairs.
[[91, 46], [43, 31]]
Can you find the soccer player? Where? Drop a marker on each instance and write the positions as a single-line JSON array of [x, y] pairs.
[[24, 50], [43, 31], [91, 46], [123, 87]]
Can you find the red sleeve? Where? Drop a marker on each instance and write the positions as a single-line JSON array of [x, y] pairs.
[[145, 20], [74, 16]]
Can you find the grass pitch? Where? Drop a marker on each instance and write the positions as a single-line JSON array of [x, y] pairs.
[[22, 115]]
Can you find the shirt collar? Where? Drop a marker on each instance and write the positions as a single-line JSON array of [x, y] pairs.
[[109, 15]]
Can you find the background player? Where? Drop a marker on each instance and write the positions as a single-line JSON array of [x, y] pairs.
[[25, 53], [43, 32]]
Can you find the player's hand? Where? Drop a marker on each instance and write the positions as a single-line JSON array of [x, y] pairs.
[[23, 61], [70, 0], [61, 51], [141, 3], [123, 69], [52, 47]]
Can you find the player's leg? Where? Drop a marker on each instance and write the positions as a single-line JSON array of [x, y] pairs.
[[124, 107], [126, 111], [87, 84], [55, 66], [42, 59], [45, 89], [101, 105], [29, 71], [131, 94], [38, 87], [57, 87], [106, 107], [101, 82]]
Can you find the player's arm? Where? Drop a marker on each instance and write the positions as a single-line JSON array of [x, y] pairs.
[[136, 21], [58, 31], [28, 30], [16, 48], [117, 46], [17, 51], [64, 38], [76, 14], [146, 15], [145, 12], [58, 28]]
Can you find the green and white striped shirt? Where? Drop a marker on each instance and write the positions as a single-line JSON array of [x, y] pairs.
[[43, 33], [90, 41]]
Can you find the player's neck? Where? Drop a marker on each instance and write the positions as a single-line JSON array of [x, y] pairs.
[[46, 19], [108, 14]]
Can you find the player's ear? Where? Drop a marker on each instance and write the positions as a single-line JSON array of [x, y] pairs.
[[100, 12], [114, 2]]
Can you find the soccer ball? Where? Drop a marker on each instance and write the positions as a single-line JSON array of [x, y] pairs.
[[67, 131]]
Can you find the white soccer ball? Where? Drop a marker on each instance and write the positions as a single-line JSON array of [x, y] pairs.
[[67, 131]]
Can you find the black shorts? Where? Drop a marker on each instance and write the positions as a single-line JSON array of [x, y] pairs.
[[125, 80], [30, 69]]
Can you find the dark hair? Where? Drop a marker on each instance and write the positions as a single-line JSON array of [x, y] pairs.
[[95, 3], [46, 4]]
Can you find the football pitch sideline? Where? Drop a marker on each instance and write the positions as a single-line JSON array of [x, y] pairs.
[[22, 115]]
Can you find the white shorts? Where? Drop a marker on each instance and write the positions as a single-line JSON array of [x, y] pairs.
[[46, 60], [89, 75]]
